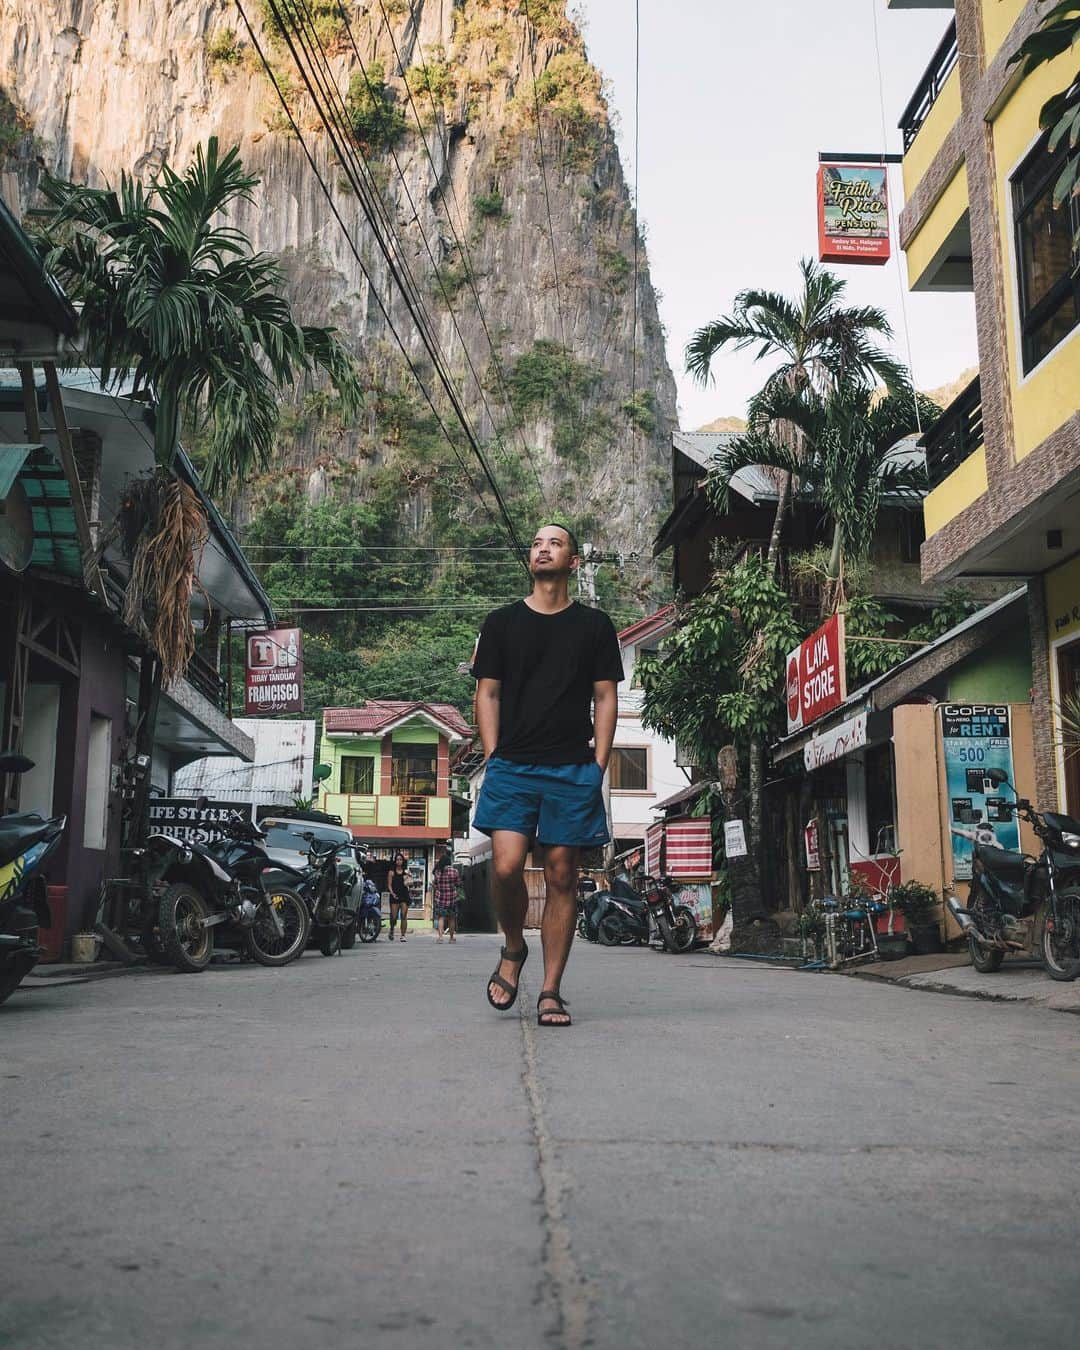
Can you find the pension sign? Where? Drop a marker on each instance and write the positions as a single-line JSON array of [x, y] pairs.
[[816, 678]]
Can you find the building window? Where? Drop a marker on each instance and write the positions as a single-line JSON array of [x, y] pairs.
[[358, 774], [414, 771], [880, 807], [1049, 283], [629, 769]]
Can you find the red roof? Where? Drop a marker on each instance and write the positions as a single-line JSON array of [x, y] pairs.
[[643, 627], [378, 713]]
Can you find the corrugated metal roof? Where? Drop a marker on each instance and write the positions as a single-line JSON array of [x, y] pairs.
[[281, 770], [376, 715]]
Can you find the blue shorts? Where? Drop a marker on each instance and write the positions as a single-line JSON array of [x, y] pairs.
[[551, 803]]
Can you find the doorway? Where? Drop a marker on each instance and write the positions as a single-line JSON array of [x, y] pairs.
[[1068, 683]]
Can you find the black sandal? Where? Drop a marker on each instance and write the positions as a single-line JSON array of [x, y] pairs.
[[519, 959], [544, 1016]]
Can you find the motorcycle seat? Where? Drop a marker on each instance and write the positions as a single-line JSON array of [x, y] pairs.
[[1063, 824], [1003, 863], [19, 832]]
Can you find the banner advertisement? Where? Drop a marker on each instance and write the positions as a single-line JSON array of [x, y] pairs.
[[977, 737], [835, 743], [853, 213], [274, 673], [180, 817], [816, 675], [812, 846]]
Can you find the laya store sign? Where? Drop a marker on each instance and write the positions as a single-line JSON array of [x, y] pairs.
[[853, 213], [816, 678], [274, 672]]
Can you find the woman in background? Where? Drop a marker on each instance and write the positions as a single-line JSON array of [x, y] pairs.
[[445, 892], [397, 883]]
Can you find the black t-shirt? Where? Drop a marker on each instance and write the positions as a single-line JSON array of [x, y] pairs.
[[547, 664]]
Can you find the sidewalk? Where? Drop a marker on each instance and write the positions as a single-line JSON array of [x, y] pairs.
[[80, 972], [1018, 981]]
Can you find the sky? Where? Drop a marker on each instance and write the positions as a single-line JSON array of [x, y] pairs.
[[736, 101]]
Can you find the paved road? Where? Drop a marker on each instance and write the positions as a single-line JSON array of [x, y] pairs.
[[357, 1152]]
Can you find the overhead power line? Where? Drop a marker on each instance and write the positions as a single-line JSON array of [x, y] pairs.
[[460, 240], [431, 348]]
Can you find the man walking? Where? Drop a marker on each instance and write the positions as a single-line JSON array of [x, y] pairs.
[[543, 664]]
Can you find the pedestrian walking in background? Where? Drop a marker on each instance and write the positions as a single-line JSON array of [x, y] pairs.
[[543, 665], [445, 895], [398, 886]]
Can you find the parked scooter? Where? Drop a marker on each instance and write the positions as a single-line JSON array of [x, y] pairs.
[[626, 916], [586, 889], [26, 840], [331, 892], [204, 893], [1023, 904], [369, 922]]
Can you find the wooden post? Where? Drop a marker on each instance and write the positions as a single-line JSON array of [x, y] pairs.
[[91, 571]]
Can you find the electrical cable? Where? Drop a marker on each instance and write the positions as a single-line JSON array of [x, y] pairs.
[[635, 436], [508, 522], [460, 240], [894, 229], [374, 207], [547, 193]]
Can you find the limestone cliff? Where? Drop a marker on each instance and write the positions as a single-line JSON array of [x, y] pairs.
[[108, 85]]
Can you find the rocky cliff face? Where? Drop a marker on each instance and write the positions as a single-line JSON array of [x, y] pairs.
[[109, 85]]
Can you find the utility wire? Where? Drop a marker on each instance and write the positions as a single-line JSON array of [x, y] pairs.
[[544, 175], [635, 446], [335, 111], [508, 522], [460, 240]]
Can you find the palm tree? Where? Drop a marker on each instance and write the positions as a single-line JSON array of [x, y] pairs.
[[176, 300], [819, 346], [849, 460]]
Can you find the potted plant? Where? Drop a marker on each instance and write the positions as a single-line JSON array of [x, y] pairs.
[[891, 927], [919, 904]]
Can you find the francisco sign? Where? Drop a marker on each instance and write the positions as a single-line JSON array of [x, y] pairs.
[[274, 672], [853, 213], [816, 675]]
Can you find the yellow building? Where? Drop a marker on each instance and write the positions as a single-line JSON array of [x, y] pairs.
[[1004, 459]]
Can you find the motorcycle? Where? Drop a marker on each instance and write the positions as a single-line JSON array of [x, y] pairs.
[[332, 894], [1022, 904], [586, 889], [194, 889], [623, 916], [26, 840], [369, 924]]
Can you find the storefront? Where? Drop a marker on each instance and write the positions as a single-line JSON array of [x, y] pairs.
[[897, 772]]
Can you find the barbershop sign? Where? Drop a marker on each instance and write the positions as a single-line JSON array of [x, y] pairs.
[[816, 677]]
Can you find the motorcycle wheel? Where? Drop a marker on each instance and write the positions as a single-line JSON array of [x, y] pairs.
[[610, 932], [681, 935], [582, 928], [263, 942], [986, 960], [330, 940], [370, 927], [186, 942], [348, 936], [1059, 946]]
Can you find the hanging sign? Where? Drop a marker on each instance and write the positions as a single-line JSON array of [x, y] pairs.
[[835, 743], [816, 675], [853, 213], [813, 848], [274, 672], [977, 737], [734, 839], [185, 819]]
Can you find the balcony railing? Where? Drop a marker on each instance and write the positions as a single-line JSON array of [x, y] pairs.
[[930, 86], [956, 434], [202, 676], [362, 809]]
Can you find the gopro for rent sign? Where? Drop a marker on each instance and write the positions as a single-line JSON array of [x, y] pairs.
[[816, 678], [274, 672]]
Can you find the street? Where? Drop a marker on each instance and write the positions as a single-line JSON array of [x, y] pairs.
[[357, 1151]]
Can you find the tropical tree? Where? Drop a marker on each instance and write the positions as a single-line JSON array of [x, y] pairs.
[[1058, 33], [850, 459], [817, 344], [176, 301]]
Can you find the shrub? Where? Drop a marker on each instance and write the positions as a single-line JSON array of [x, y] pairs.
[[432, 82], [490, 206], [641, 411], [225, 48], [450, 278], [548, 17], [376, 119], [13, 126], [322, 15], [615, 266]]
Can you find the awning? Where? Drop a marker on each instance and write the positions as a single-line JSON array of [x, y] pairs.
[[48, 495], [684, 794], [915, 671]]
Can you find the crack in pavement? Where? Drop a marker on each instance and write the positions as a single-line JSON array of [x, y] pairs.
[[564, 1283]]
